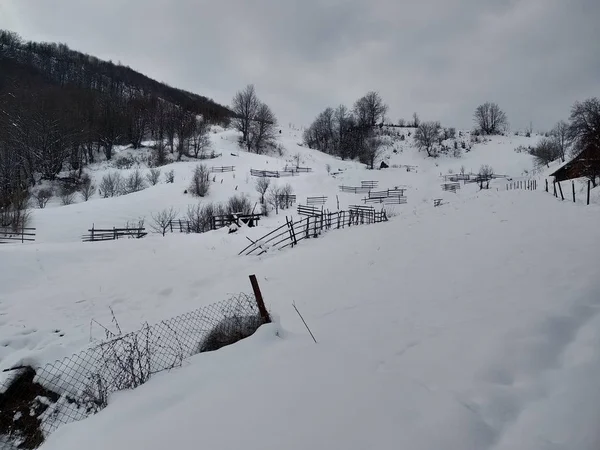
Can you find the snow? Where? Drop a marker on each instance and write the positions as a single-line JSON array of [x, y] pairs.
[[472, 325]]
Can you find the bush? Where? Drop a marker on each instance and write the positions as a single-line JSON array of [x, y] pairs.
[[153, 176], [124, 162], [15, 214], [239, 204], [200, 181], [43, 196], [170, 176], [135, 183], [86, 188], [111, 185], [67, 194], [285, 193], [200, 217]]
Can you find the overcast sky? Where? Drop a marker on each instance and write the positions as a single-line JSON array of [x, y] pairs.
[[440, 58]]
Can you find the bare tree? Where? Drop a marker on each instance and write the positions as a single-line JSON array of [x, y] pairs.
[[486, 173], [370, 109], [274, 197], [490, 119], [200, 181], [262, 185], [43, 196], [285, 195], [427, 136], [401, 122], [262, 129], [86, 188], [153, 176], [162, 220], [546, 151], [560, 134], [371, 151], [245, 106], [416, 120], [584, 133], [200, 140]]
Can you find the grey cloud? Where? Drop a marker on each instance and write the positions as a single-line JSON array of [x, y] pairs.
[[438, 57]]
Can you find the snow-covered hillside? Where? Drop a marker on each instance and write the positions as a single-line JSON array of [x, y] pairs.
[[473, 325]]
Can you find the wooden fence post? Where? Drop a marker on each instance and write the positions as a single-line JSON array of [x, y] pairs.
[[115, 233], [561, 192], [588, 191], [262, 309], [546, 184], [573, 185], [555, 194]]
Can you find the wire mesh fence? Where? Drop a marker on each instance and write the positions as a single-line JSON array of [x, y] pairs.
[[35, 401]]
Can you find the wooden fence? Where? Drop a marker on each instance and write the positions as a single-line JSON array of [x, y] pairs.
[[290, 233], [271, 173], [529, 185], [452, 187], [316, 200], [355, 190], [222, 169], [22, 235], [297, 169], [369, 184], [111, 234], [309, 210]]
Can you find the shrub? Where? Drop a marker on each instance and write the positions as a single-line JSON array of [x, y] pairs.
[[111, 185], [43, 196], [153, 176], [134, 183], [124, 162], [229, 331], [239, 204], [86, 188], [285, 194], [170, 176], [200, 217], [200, 181], [67, 194], [262, 184]]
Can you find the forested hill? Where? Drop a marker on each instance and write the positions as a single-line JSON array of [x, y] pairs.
[[48, 63]]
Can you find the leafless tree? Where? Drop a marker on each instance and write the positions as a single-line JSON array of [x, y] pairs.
[[200, 217], [86, 188], [200, 139], [262, 185], [486, 173], [546, 151], [416, 120], [162, 220], [490, 119], [371, 151], [560, 134], [43, 196], [274, 197], [286, 193], [426, 137], [200, 181], [245, 106], [370, 109], [262, 129], [584, 133], [153, 176], [401, 122]]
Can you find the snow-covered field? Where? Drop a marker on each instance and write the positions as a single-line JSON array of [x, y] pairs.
[[473, 325]]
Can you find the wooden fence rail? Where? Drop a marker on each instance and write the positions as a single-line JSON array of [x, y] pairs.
[[22, 235], [290, 233], [111, 234], [222, 169]]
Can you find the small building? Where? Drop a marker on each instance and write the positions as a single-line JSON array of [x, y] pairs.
[[585, 164]]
